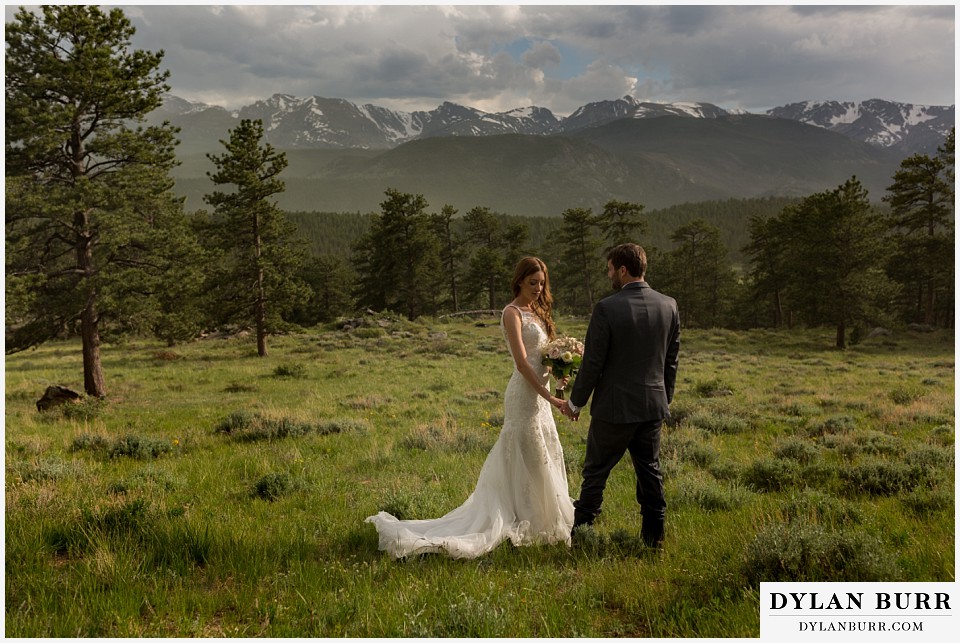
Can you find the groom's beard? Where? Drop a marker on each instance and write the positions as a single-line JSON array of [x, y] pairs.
[[615, 282]]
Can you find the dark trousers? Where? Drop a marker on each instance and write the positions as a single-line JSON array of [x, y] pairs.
[[606, 444]]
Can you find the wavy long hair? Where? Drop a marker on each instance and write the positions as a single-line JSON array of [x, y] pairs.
[[543, 306]]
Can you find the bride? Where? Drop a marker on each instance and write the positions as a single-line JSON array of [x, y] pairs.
[[521, 493]]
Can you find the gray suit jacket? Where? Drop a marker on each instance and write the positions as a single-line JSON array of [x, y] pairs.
[[630, 356]]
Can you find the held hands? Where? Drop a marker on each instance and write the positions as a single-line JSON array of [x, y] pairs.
[[565, 409]]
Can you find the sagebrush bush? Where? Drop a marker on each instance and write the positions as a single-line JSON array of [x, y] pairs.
[[130, 446], [924, 501], [768, 474], [688, 446], [444, 435], [905, 395], [717, 422], [294, 371], [139, 447], [810, 553], [818, 507], [273, 486], [712, 388], [942, 435], [708, 495], [880, 477], [252, 427], [833, 426], [797, 450]]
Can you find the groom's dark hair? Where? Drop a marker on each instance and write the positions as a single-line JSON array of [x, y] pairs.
[[631, 256]]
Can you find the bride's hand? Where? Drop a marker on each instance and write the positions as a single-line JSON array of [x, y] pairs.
[[562, 382]]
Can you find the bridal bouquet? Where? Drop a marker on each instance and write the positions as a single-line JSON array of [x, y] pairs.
[[563, 355]]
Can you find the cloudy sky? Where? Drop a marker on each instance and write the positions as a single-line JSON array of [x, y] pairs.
[[499, 57]]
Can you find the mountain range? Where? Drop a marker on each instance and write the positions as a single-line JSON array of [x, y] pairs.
[[529, 161]]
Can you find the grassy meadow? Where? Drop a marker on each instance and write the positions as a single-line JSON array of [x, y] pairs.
[[217, 494]]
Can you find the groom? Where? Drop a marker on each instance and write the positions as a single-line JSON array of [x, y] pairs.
[[630, 367]]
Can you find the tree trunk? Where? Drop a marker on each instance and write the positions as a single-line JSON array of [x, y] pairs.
[[842, 335], [89, 319], [90, 335], [777, 310], [928, 304], [260, 307]]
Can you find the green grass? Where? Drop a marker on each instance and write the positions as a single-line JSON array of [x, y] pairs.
[[221, 494]]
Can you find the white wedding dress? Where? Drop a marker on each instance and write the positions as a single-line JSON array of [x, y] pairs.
[[521, 493]]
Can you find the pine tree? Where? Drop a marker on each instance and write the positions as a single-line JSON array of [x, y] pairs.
[[698, 274], [255, 281], [398, 260], [90, 216], [621, 222], [449, 249], [921, 199], [838, 245], [488, 271], [581, 262]]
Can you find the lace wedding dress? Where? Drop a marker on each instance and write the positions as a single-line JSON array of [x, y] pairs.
[[521, 493]]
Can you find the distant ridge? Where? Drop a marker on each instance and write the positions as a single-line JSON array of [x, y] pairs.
[[332, 123]]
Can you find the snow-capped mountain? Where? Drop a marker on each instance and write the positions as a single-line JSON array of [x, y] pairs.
[[878, 122], [315, 122], [602, 112]]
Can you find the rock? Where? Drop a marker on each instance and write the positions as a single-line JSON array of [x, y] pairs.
[[921, 328], [55, 396], [878, 332]]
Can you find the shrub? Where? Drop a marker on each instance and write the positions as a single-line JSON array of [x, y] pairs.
[[273, 486], [924, 501], [130, 445], [296, 370], [905, 395], [771, 475], [880, 478], [942, 435], [49, 468], [90, 442], [810, 553], [712, 388], [688, 448], [250, 427], [718, 423], [443, 436], [341, 425], [709, 496], [136, 446], [813, 506], [833, 426], [797, 450]]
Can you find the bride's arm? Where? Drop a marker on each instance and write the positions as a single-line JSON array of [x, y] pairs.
[[511, 323]]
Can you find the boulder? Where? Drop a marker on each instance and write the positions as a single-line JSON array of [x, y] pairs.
[[55, 396]]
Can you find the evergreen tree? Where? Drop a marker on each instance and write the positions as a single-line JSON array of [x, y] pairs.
[[398, 260], [255, 282], [621, 222], [91, 223], [921, 199], [449, 249], [329, 280], [770, 271], [488, 271], [699, 275], [836, 253], [580, 261]]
